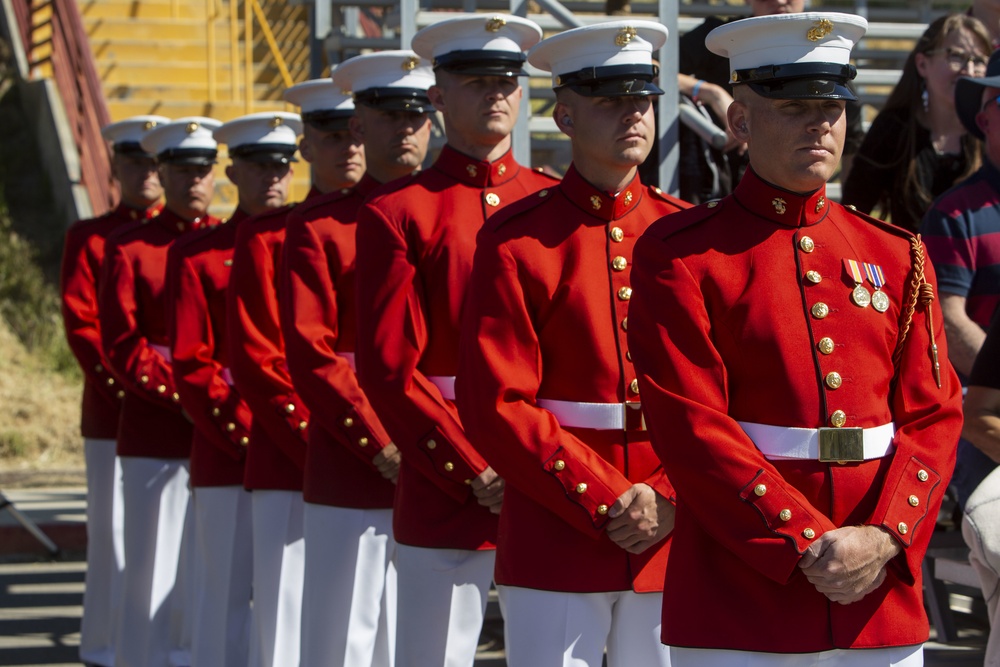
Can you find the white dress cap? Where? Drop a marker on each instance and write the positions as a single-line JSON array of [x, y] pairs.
[[186, 140], [268, 136], [478, 44], [395, 80], [768, 51], [322, 104], [126, 135], [597, 59]]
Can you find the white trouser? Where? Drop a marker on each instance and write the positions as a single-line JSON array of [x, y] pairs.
[[156, 501], [102, 599], [184, 596], [559, 629], [896, 656], [441, 604], [981, 530], [223, 576], [349, 604], [278, 568]]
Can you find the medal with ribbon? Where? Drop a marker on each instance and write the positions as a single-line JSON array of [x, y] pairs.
[[860, 296], [880, 300]]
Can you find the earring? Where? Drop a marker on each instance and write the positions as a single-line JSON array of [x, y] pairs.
[[924, 97]]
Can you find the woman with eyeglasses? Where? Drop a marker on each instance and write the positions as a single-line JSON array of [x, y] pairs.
[[917, 148]]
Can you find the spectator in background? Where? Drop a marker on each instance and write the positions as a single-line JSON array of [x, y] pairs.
[[917, 147], [988, 11]]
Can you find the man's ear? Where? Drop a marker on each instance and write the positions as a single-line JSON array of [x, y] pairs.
[[982, 122], [738, 117], [563, 116], [436, 96], [232, 173], [306, 149]]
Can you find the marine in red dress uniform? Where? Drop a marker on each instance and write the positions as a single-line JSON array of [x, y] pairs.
[[154, 437], [351, 464], [276, 453], [546, 388], [788, 352], [135, 171], [415, 243]]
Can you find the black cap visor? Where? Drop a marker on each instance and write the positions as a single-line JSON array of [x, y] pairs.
[[196, 156], [264, 153], [132, 148], [800, 81], [612, 81], [414, 100], [482, 63], [328, 120]]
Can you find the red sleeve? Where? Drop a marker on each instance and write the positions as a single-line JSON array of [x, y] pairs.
[[392, 336], [215, 407], [523, 442], [309, 319], [143, 369], [81, 266], [257, 348]]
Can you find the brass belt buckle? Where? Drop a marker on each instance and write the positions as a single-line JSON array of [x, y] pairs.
[[632, 417], [840, 445]]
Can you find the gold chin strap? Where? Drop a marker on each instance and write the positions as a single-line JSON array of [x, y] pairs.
[[921, 292]]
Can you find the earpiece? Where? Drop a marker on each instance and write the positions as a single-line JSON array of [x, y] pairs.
[[567, 121]]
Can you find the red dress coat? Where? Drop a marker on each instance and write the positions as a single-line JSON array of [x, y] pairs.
[[133, 309], [726, 325], [79, 276], [549, 292], [416, 237], [198, 269], [318, 325], [277, 451]]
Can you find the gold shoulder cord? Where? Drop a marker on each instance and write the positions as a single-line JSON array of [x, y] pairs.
[[921, 292]]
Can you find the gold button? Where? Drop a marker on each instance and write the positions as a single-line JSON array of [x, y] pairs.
[[838, 418], [303, 426], [808, 533], [806, 244], [602, 509], [121, 393], [290, 408], [913, 500], [625, 324], [625, 293], [617, 235], [492, 199], [502, 169], [543, 193], [785, 514], [244, 441], [99, 368], [922, 475], [348, 422], [833, 380], [559, 465], [820, 310], [902, 528], [216, 412], [111, 382], [814, 277], [144, 379], [633, 386], [628, 356], [431, 444], [162, 389], [175, 397], [619, 263], [471, 168], [825, 345], [363, 442], [449, 466], [581, 487], [230, 427], [760, 489]]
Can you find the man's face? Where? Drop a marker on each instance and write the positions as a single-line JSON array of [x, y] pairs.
[[612, 131], [138, 178], [769, 7], [481, 109], [794, 144], [187, 188], [989, 122], [337, 158], [394, 140], [261, 185]]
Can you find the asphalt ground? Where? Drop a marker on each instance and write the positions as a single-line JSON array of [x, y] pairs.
[[41, 597]]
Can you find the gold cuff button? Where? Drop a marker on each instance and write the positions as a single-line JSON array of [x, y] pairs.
[[363, 442], [806, 244], [559, 465], [175, 397], [820, 310], [625, 293], [902, 528], [617, 235], [162, 389], [602, 509], [111, 382], [348, 422], [760, 489], [121, 393], [619, 263], [833, 380], [838, 418], [785, 514], [144, 379], [814, 277], [922, 475], [230, 427], [303, 426], [290, 408], [913, 500], [244, 441], [625, 324], [432, 444], [216, 412], [808, 533], [581, 487], [449, 466], [633, 386], [825, 345]]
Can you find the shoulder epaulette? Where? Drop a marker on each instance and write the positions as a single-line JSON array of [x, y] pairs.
[[881, 224], [517, 208], [323, 200], [689, 217], [541, 170], [670, 199]]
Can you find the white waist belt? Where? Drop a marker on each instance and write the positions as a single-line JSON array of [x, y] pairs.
[[445, 384], [788, 442], [163, 350], [599, 416], [350, 359]]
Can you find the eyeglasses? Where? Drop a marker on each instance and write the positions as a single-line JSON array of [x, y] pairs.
[[959, 59]]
